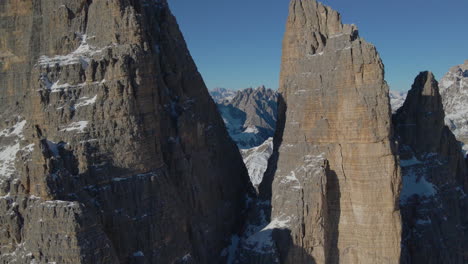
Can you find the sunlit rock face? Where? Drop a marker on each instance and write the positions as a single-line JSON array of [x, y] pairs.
[[433, 199], [111, 149], [333, 180]]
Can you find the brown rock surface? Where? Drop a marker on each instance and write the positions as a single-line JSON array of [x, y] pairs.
[[435, 181], [334, 181], [111, 148]]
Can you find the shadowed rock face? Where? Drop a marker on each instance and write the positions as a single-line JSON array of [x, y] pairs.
[[433, 199], [111, 148], [420, 121], [333, 180]]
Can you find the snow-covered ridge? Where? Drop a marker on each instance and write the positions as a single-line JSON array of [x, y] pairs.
[[256, 160], [220, 95], [454, 92]]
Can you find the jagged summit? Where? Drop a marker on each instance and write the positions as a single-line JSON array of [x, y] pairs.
[[435, 178], [221, 95], [423, 110]]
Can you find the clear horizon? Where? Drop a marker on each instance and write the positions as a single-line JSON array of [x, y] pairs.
[[237, 44]]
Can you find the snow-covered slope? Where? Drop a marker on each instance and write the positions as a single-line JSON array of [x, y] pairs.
[[220, 95], [397, 99], [454, 92], [256, 160]]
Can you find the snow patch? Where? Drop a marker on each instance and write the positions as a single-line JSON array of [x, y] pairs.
[[76, 126], [465, 150], [252, 129], [16, 130], [256, 160], [446, 83], [84, 101], [81, 55], [55, 203], [7, 159], [262, 241], [8, 153], [315, 54], [187, 257], [414, 185], [57, 87]]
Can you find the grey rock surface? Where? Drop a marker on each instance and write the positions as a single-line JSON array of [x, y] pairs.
[[250, 115], [111, 149], [433, 200], [454, 92]]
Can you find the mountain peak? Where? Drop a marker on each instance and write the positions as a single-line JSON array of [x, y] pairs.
[[426, 84], [423, 108]]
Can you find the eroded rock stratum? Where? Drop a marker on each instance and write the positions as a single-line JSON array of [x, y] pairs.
[[112, 150], [334, 180]]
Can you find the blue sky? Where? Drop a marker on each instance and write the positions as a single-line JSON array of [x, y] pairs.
[[237, 44]]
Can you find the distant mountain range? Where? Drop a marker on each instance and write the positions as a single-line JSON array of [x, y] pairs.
[[397, 99], [220, 95], [249, 114]]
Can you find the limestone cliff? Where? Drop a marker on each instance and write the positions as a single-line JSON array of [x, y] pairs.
[[334, 180], [435, 180], [111, 148]]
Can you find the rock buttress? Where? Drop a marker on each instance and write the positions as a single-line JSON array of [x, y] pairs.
[[112, 150], [334, 106]]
